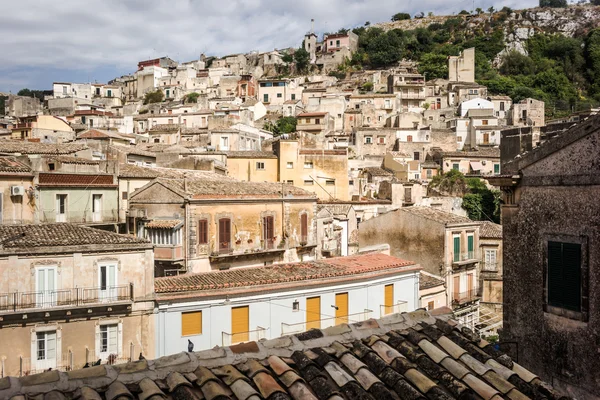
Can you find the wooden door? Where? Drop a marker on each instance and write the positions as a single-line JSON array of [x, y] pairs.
[[341, 311], [486, 138], [470, 287], [389, 299], [224, 234], [313, 313], [240, 324]]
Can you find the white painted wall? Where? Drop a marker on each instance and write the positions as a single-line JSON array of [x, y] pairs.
[[269, 311]]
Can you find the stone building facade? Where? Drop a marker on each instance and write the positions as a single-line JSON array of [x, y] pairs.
[[551, 225]]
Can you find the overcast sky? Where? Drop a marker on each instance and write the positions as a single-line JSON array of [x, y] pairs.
[[96, 40]]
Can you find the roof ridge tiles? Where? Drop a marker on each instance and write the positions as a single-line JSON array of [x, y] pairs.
[[359, 360]]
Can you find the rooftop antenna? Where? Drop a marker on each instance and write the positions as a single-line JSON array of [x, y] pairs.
[[312, 25]]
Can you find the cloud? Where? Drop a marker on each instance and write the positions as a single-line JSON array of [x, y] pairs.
[[111, 36]]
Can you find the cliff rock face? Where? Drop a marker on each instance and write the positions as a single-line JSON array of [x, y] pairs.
[[520, 25]]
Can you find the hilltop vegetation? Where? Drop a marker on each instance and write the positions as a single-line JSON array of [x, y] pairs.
[[562, 70]]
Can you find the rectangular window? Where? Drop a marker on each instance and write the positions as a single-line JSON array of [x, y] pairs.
[[268, 231], [430, 305], [109, 339], [484, 122], [46, 289], [224, 234], [409, 138], [191, 323], [408, 195], [470, 246], [496, 168], [260, 165], [293, 96], [456, 248], [289, 165], [429, 174], [304, 228], [266, 98], [46, 346], [108, 282], [124, 196], [308, 182], [456, 166], [381, 140], [202, 231], [368, 140], [61, 208], [490, 260], [308, 165], [330, 182], [563, 276], [97, 207], [290, 182], [317, 121], [416, 156]]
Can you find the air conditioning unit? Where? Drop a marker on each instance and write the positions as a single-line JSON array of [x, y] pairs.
[[17, 190]]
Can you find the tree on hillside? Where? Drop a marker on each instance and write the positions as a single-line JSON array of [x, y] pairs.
[[283, 125], [400, 16], [553, 3], [481, 203], [302, 59], [192, 97], [31, 93], [154, 97], [452, 183], [595, 2]]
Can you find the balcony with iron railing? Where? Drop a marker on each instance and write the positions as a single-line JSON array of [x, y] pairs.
[[229, 339], [64, 298], [462, 298], [240, 250], [299, 327]]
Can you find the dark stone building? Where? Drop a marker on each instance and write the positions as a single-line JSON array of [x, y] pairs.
[[551, 224]]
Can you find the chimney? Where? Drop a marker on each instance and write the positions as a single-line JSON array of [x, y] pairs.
[[312, 25]]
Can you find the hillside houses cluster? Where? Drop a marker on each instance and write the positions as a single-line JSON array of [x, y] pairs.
[[147, 226]]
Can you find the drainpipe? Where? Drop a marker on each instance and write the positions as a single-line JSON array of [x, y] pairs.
[[187, 234]]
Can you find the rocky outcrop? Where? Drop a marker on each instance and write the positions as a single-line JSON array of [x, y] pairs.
[[520, 25]]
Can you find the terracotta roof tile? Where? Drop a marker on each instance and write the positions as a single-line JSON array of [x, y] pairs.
[[163, 223], [382, 363], [206, 284], [250, 154], [12, 165], [428, 281], [60, 179], [490, 230], [60, 234], [436, 215], [22, 147]]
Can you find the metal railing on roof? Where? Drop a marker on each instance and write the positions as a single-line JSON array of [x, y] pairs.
[[325, 322]]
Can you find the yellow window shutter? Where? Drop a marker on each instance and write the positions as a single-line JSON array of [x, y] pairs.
[[313, 313], [240, 324], [191, 323], [341, 311], [389, 299]]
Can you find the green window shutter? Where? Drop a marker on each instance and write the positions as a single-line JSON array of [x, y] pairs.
[[457, 248], [564, 275], [470, 244]]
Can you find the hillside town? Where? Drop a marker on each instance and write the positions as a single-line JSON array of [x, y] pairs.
[[250, 227]]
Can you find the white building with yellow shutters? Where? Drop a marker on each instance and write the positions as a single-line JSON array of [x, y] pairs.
[[241, 305]]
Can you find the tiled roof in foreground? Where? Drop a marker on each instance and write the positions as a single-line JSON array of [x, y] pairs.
[[61, 234], [288, 275], [401, 356]]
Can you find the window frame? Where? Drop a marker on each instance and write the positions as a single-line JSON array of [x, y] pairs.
[[260, 166], [583, 314], [199, 312], [202, 234]]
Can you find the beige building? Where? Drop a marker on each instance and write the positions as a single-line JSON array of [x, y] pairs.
[[482, 162], [47, 128], [528, 112], [432, 291], [207, 222], [490, 243], [73, 295], [461, 68], [442, 243], [252, 166], [323, 172], [17, 202]]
